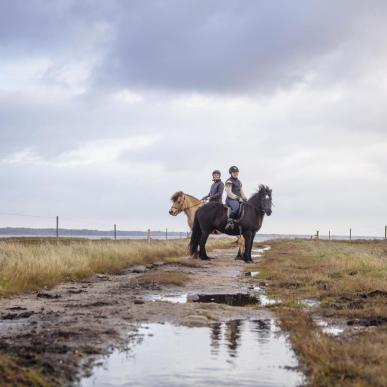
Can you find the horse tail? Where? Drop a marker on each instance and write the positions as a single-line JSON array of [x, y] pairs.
[[195, 236]]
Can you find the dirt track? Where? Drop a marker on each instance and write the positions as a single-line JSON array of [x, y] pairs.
[[61, 330]]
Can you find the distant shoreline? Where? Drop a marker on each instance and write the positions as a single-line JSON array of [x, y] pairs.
[[19, 232]]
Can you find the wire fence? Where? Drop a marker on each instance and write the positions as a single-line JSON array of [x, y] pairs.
[[28, 225], [350, 236], [51, 226]]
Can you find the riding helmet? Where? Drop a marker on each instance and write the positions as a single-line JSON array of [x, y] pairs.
[[233, 169], [216, 172]]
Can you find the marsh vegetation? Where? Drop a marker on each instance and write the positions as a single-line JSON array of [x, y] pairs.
[[348, 283]]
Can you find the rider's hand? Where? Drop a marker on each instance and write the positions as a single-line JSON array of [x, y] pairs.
[[240, 200]]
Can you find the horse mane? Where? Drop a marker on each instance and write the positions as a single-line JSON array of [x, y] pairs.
[[177, 194], [262, 190]]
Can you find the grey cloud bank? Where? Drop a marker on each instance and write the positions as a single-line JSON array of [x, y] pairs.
[[107, 108]]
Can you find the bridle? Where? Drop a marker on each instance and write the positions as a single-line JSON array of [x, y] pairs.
[[181, 209]]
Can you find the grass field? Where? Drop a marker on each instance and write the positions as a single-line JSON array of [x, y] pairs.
[[32, 264], [350, 282]]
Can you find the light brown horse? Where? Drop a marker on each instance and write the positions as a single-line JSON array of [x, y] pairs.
[[187, 203], [182, 202]]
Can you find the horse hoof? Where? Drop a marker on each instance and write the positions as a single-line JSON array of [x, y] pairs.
[[205, 258], [248, 260], [238, 258]]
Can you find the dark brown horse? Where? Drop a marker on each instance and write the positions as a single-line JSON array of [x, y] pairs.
[[213, 216]]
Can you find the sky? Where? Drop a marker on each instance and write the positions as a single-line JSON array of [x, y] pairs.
[[109, 107]]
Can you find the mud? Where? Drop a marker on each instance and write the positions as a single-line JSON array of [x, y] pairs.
[[63, 331]]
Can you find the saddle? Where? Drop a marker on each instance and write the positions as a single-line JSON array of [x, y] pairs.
[[239, 215]]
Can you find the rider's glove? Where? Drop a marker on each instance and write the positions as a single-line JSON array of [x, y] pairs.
[[204, 197]]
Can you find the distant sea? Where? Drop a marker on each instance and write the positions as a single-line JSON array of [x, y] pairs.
[[171, 235]]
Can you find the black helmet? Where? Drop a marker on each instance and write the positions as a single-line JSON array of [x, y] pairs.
[[233, 169], [216, 172]]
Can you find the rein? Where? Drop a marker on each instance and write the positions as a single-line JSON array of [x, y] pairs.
[[187, 208]]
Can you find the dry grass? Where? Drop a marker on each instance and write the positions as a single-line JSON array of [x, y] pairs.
[[14, 374], [350, 280], [330, 361], [27, 266], [334, 272]]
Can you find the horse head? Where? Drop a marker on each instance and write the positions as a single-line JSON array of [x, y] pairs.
[[262, 200], [265, 199], [178, 199]]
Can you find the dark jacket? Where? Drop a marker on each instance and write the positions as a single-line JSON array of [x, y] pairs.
[[216, 191], [236, 185]]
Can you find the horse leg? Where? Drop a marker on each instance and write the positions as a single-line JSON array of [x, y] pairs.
[[248, 238], [240, 248], [202, 244], [251, 245]]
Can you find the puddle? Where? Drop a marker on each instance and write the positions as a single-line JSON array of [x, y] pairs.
[[252, 273], [173, 298], [243, 353], [265, 300], [330, 329], [238, 299], [256, 253], [5, 324], [310, 302]]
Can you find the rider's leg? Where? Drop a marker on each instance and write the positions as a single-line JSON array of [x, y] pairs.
[[234, 205]]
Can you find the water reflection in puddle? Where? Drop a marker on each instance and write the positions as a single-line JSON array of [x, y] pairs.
[[265, 300], [173, 298], [330, 329], [309, 302], [243, 353], [238, 299], [252, 273], [259, 252]]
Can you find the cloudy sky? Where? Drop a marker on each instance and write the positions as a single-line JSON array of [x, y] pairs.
[[108, 107]]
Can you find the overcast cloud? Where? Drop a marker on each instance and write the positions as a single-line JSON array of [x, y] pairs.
[[108, 107]]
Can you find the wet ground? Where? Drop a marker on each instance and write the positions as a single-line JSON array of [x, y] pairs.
[[236, 352], [215, 329]]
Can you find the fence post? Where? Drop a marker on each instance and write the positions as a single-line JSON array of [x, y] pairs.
[[188, 234], [149, 235], [57, 229], [317, 232], [166, 234], [329, 235], [385, 232], [350, 234], [115, 232]]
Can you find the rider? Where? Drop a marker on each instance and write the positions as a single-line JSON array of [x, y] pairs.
[[217, 188], [235, 195]]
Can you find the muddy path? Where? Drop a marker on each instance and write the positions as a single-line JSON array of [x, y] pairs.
[[62, 331]]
